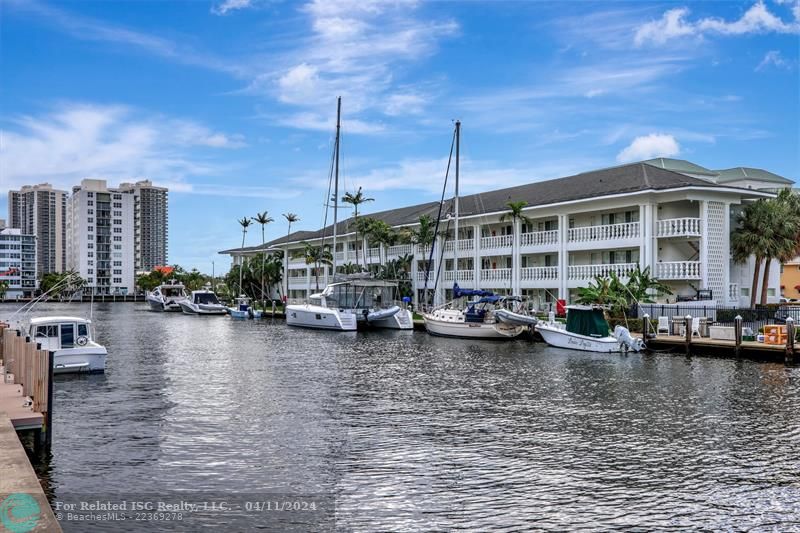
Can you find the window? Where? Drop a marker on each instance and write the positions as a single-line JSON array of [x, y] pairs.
[[117, 280], [83, 331], [117, 213], [117, 263], [47, 331], [90, 271], [90, 254], [770, 292], [117, 230], [90, 194], [90, 202], [117, 238], [90, 245], [90, 262], [744, 291], [90, 211], [90, 219], [117, 197], [118, 247], [117, 221], [91, 229], [117, 272], [118, 205], [67, 335]]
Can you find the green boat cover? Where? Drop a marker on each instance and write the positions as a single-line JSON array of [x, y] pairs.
[[588, 321]]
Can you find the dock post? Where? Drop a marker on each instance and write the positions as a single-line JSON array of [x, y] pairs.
[[688, 330], [48, 428], [645, 327], [790, 335], [737, 329]]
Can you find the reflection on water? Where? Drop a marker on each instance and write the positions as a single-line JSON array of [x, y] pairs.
[[413, 432]]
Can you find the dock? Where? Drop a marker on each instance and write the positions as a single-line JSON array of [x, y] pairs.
[[20, 489]]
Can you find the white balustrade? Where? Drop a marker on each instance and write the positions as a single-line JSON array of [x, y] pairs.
[[400, 249], [604, 232], [463, 244], [588, 272], [458, 276], [339, 257], [421, 277], [678, 270], [539, 238], [496, 241], [678, 227], [423, 251], [495, 274], [540, 273]]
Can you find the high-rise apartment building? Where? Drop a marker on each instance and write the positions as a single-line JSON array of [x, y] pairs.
[[100, 237], [17, 262], [40, 210], [151, 224]]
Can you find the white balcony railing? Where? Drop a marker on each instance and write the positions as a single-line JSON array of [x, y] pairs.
[[539, 238], [400, 249], [495, 274], [539, 273], [496, 242], [459, 276], [605, 232], [463, 244], [373, 252], [421, 277], [588, 272], [678, 227], [422, 251], [678, 270], [339, 257]]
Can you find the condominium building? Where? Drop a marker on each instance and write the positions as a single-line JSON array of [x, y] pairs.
[[672, 216], [151, 224], [40, 210], [17, 262], [100, 237]]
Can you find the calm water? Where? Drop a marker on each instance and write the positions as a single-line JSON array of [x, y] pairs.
[[410, 432]]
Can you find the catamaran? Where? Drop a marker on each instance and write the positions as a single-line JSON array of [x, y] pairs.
[[587, 330], [485, 318], [316, 312]]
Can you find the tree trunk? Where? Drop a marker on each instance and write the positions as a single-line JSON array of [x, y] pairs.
[[263, 257], [754, 288], [765, 281]]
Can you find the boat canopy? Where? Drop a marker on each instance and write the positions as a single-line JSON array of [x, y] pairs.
[[487, 300], [458, 292], [588, 321]]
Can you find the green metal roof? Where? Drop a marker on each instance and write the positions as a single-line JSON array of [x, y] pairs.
[[744, 173], [680, 165]]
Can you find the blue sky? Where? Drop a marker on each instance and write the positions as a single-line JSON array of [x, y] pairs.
[[231, 104]]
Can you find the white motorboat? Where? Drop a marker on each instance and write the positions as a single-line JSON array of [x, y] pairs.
[[242, 308], [167, 297], [203, 302], [72, 341], [479, 320], [316, 314], [587, 330]]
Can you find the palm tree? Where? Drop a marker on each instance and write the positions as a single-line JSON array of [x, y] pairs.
[[290, 218], [245, 223], [355, 200], [424, 236], [752, 239], [782, 225], [317, 255], [515, 214], [263, 219]]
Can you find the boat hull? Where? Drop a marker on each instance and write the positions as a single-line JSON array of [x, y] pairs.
[[80, 360], [318, 317], [561, 338], [200, 309], [394, 318], [157, 305], [470, 330]]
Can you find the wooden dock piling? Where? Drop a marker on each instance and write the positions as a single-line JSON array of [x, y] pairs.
[[737, 330], [790, 337], [688, 330]]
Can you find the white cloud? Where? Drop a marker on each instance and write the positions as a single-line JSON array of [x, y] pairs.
[[773, 58], [674, 24], [75, 141], [357, 50], [648, 147], [230, 5], [327, 123]]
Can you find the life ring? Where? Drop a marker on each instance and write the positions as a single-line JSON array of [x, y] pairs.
[[82, 340]]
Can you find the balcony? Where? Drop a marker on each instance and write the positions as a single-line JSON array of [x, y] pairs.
[[678, 270], [539, 238], [678, 227], [463, 245], [421, 277], [604, 232], [489, 275], [497, 242], [589, 272], [459, 276], [401, 249], [549, 273]]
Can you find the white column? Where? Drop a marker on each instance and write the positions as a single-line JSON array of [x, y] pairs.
[[516, 260], [647, 237], [726, 245], [414, 267], [563, 260], [476, 256]]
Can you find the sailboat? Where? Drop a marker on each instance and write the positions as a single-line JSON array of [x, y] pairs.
[[322, 312], [488, 317]]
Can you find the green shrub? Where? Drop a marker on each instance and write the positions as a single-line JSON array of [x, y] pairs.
[[634, 325]]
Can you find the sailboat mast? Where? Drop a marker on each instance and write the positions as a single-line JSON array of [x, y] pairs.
[[336, 177], [455, 240]]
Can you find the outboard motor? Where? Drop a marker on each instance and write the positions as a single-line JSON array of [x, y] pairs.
[[626, 339]]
